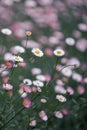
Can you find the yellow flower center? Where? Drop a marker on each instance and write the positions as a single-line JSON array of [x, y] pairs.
[[37, 52], [28, 33], [17, 58], [59, 52]]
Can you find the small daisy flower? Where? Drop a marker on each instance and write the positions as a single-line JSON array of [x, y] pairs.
[[7, 86], [37, 52], [61, 98], [43, 115], [28, 33], [38, 83], [33, 123], [59, 52], [17, 50], [26, 102], [58, 114], [41, 77], [24, 95], [18, 59], [43, 100], [27, 81], [9, 64], [6, 31], [39, 89], [36, 71]]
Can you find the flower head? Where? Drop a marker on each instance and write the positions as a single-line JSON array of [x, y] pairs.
[[6, 31], [38, 83], [7, 86], [61, 98], [28, 33], [59, 52], [26, 102], [37, 52], [9, 64], [18, 59]]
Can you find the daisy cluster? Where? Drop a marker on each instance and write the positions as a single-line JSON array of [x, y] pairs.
[[43, 64]]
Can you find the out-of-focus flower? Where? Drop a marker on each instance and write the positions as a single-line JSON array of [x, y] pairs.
[[41, 78], [24, 95], [9, 64], [43, 100], [8, 57], [43, 115], [33, 123], [27, 81], [82, 27], [39, 89], [4, 73], [27, 102], [81, 45], [30, 3], [36, 71], [28, 33], [70, 90], [7, 86], [60, 89], [61, 98], [70, 41], [67, 72], [5, 79], [17, 50], [65, 111], [77, 77], [58, 114], [6, 31], [48, 77], [34, 89], [80, 90], [37, 52], [73, 60], [59, 52], [38, 83], [48, 52]]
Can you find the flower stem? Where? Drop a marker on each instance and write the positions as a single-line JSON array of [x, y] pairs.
[[18, 112]]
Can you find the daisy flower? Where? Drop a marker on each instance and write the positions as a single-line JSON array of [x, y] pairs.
[[7, 86], [27, 81], [18, 59], [58, 114], [37, 52], [61, 98], [33, 123], [38, 83], [26, 102], [43, 115], [28, 33], [6, 31], [59, 52]]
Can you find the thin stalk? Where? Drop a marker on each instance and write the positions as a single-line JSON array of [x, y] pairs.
[[18, 112]]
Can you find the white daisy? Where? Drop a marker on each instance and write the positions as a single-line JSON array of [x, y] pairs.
[[37, 52], [27, 81], [58, 114], [59, 52], [17, 49], [70, 41], [38, 83], [18, 59], [61, 98], [41, 77], [67, 72], [6, 31]]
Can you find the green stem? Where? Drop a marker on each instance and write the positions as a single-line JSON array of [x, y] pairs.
[[20, 110]]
